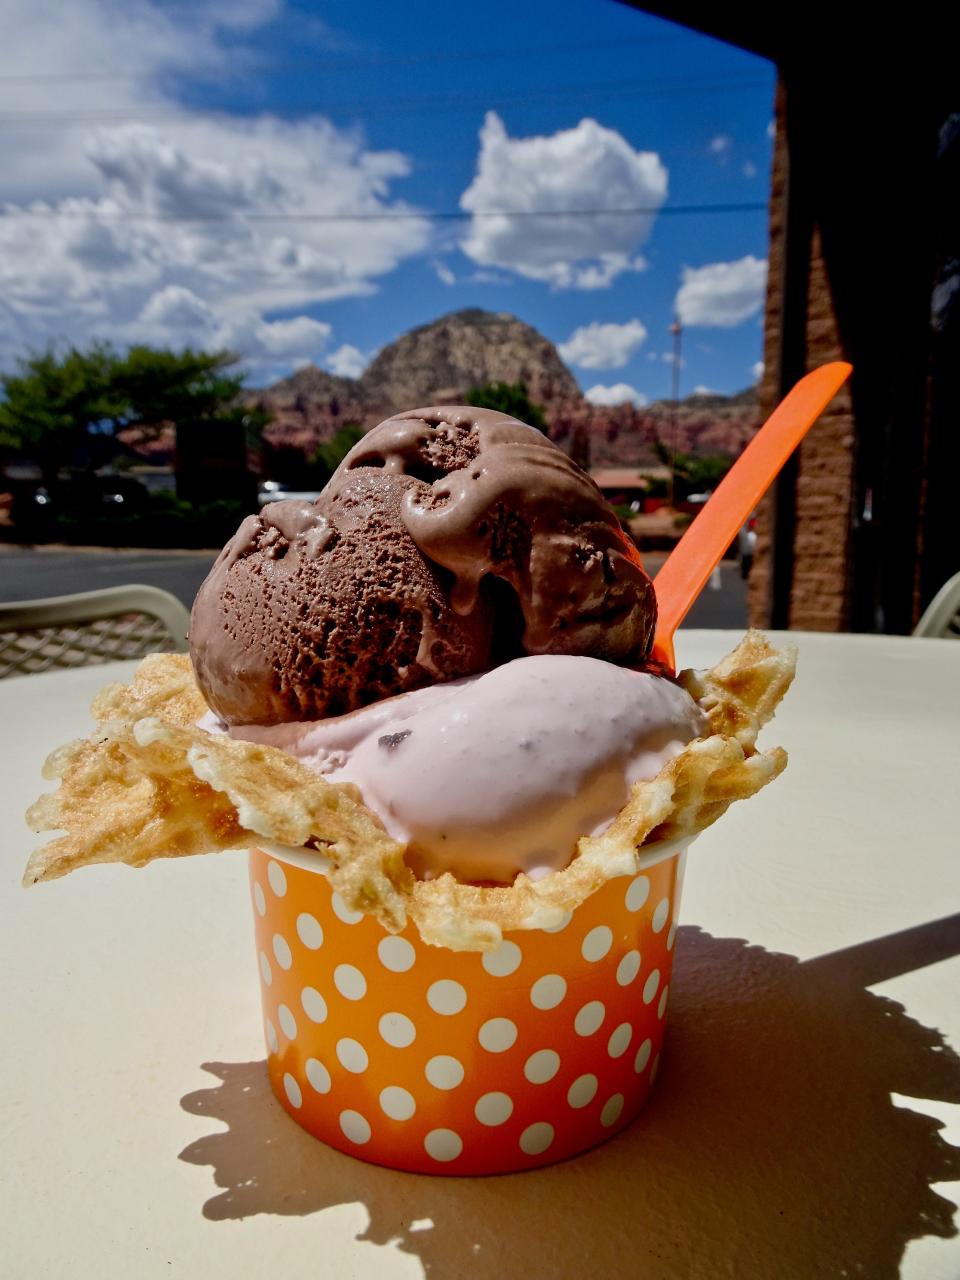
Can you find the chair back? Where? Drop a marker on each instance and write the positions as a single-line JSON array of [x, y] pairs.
[[941, 618], [90, 627]]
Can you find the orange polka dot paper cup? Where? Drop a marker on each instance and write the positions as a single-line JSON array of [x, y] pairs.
[[462, 1062]]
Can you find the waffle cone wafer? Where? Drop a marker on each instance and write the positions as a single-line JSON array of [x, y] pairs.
[[149, 783]]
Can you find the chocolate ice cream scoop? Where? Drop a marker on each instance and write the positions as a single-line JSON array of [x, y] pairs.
[[504, 504], [448, 540]]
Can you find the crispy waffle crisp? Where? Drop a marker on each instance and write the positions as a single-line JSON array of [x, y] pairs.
[[148, 783]]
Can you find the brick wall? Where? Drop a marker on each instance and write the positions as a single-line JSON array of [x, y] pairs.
[[823, 493]]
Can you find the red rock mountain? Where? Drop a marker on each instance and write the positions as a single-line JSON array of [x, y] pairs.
[[438, 363]]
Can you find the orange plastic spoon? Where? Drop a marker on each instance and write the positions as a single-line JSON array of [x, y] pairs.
[[701, 548]]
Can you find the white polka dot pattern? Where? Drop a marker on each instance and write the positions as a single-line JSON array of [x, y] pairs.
[[628, 968], [504, 961], [352, 1055], [643, 1056], [463, 1062], [343, 912], [318, 1075], [356, 1128], [638, 893], [277, 879], [536, 1138], [314, 1005], [549, 991], [446, 997], [542, 1066], [611, 1110], [597, 943], [281, 951], [497, 1035], [444, 1072], [397, 1103], [397, 1030], [350, 982], [619, 1042], [583, 1091], [396, 954], [494, 1109], [309, 931], [288, 1023], [590, 1018], [443, 1145]]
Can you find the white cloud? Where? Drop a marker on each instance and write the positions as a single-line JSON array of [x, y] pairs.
[[720, 146], [757, 370], [603, 346], [749, 169], [97, 239], [722, 294], [176, 307], [140, 46], [293, 341], [444, 273], [176, 310], [771, 129], [619, 393], [703, 391], [588, 167], [347, 362]]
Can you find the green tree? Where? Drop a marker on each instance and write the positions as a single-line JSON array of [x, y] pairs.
[[55, 403], [158, 386], [509, 397], [333, 451], [694, 474]]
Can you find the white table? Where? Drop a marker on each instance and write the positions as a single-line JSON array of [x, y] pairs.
[[794, 1131]]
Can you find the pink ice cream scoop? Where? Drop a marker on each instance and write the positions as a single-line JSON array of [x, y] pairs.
[[500, 773]]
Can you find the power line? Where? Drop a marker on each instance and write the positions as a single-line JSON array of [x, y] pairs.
[[324, 62], [430, 215], [597, 91]]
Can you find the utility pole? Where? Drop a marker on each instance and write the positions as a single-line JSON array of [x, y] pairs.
[[677, 330]]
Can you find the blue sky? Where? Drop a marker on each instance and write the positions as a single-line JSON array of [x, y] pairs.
[[151, 144]]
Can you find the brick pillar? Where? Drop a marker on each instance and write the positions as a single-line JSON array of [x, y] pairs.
[[825, 481], [815, 501]]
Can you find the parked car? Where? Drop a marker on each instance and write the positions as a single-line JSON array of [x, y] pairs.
[[35, 508], [274, 491], [747, 545]]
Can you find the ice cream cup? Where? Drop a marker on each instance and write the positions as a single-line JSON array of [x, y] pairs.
[[458, 1062]]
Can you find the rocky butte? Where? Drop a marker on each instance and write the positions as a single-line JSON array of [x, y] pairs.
[[438, 363]]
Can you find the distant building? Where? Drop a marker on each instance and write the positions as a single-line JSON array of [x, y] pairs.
[[626, 484]]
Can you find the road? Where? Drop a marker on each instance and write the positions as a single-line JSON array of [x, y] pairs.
[[27, 574]]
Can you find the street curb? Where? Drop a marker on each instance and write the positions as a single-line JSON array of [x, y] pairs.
[[59, 548]]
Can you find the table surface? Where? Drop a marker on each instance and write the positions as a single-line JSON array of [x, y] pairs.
[[807, 1094]]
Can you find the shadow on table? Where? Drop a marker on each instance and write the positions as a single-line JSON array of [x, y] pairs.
[[771, 1146]]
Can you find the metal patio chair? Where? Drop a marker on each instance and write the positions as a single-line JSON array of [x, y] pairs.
[[941, 618], [90, 627]]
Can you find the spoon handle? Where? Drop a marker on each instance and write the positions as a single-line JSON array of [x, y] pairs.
[[701, 548]]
